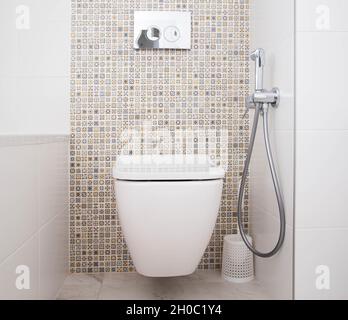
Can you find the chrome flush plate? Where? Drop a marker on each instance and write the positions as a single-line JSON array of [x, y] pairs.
[[162, 30]]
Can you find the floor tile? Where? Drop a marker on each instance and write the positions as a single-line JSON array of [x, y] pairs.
[[81, 287], [202, 285]]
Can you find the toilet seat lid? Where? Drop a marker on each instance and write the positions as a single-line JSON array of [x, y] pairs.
[[166, 168]]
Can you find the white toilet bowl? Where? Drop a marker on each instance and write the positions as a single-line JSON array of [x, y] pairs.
[[167, 211]]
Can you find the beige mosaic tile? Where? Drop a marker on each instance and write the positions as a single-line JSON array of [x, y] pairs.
[[116, 88]]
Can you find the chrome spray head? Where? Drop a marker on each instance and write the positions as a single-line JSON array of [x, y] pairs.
[[259, 57], [260, 97]]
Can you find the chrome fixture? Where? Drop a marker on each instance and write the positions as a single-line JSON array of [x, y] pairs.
[[259, 57], [149, 39], [263, 96], [261, 100], [162, 30]]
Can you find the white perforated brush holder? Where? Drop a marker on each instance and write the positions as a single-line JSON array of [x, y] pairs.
[[238, 260]]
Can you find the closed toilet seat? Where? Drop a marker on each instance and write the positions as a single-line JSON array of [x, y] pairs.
[[168, 210]]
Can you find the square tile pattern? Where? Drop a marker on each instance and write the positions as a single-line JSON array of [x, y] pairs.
[[116, 88]]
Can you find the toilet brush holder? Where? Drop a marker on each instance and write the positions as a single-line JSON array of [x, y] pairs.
[[237, 260]]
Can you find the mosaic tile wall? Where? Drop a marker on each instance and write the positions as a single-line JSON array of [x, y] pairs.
[[114, 88]]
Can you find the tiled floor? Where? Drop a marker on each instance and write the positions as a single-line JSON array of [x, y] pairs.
[[120, 286]]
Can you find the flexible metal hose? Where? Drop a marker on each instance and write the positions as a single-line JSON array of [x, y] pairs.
[[264, 110]]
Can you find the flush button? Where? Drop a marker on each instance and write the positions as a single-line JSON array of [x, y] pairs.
[[172, 34], [153, 33]]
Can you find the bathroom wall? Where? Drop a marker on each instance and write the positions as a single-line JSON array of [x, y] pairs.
[[33, 215], [272, 28], [115, 88], [34, 66], [321, 234], [34, 147]]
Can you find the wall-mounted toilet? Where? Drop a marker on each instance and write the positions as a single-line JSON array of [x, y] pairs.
[[168, 210]]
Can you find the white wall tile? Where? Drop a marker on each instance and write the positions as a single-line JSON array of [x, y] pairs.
[[42, 105], [34, 178], [44, 50], [311, 13], [274, 273], [18, 197], [8, 38], [8, 115], [27, 255], [31, 59], [40, 10], [321, 155], [322, 176], [53, 180], [321, 81], [263, 18], [278, 42], [316, 247], [262, 191], [53, 255]]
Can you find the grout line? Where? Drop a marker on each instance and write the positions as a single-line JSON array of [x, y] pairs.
[[100, 288], [22, 244]]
